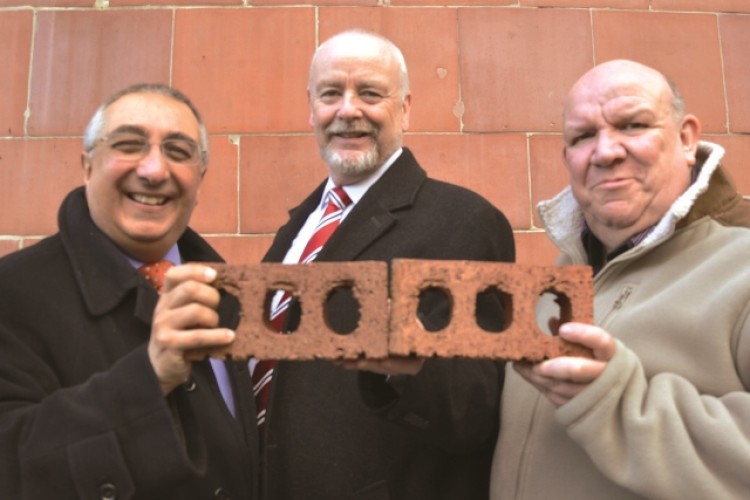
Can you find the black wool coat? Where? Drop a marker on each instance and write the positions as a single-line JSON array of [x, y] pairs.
[[333, 434], [81, 412]]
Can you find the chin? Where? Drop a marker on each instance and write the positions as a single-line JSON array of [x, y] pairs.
[[352, 164], [149, 232]]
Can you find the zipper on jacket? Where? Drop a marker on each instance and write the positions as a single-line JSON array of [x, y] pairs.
[[617, 305]]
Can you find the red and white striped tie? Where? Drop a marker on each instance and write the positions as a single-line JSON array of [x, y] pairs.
[[337, 201]]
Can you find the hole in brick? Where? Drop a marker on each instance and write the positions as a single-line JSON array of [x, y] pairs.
[[342, 310], [562, 313], [493, 310], [288, 320], [435, 308]]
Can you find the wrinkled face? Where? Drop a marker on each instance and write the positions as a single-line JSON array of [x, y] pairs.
[[628, 156], [357, 109], [143, 204]]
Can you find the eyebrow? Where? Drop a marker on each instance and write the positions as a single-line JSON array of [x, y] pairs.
[[134, 129]]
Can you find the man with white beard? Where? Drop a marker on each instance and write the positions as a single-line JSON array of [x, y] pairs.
[[396, 428]]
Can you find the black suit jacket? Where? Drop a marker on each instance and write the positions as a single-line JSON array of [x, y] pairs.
[[336, 434], [81, 411]]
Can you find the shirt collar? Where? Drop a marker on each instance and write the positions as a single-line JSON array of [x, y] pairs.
[[595, 250], [173, 256]]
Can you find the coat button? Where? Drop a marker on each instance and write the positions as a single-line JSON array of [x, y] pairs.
[[221, 494], [189, 385], [108, 491]]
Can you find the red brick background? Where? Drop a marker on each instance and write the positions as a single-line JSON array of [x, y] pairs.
[[488, 78]]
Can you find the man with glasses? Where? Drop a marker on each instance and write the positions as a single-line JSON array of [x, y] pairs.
[[99, 395]]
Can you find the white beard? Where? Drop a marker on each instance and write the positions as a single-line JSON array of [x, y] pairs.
[[363, 163]]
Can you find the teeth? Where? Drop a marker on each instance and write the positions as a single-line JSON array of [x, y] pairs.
[[149, 200]]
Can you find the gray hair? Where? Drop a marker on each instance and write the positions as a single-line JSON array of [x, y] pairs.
[[678, 103], [387, 44], [95, 126]]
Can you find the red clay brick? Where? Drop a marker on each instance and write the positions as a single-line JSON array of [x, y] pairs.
[[378, 335], [311, 283], [464, 280]]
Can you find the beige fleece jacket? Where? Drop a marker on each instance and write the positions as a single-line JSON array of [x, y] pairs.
[[670, 416]]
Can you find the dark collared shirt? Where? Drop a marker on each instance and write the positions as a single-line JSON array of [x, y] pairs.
[[597, 253], [595, 249]]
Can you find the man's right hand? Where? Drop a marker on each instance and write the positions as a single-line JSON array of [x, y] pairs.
[[185, 319]]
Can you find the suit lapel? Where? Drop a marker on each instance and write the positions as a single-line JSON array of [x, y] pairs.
[[286, 233], [377, 211], [370, 218]]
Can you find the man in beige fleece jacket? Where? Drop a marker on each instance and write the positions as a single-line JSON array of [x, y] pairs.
[[662, 409]]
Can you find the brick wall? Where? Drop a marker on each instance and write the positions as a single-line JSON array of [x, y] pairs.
[[488, 78]]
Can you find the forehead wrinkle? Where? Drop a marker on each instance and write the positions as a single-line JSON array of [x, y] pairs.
[[624, 107], [610, 99], [152, 113], [360, 54], [142, 132]]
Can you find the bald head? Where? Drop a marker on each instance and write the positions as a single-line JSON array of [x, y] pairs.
[[629, 148], [360, 44], [622, 75]]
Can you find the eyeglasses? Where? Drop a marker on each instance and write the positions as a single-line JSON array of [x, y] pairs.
[[135, 147]]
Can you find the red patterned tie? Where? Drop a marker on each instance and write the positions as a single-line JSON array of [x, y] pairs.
[[154, 272], [337, 201]]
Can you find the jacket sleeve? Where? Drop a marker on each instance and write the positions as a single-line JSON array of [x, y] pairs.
[[660, 437], [113, 433]]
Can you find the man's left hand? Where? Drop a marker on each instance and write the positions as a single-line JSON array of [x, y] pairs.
[[561, 379]]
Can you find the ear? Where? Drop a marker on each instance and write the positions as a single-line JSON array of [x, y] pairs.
[[311, 120], [86, 164], [564, 154], [690, 131], [406, 108]]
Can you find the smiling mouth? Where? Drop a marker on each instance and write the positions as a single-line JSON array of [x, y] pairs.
[[351, 135], [148, 199]]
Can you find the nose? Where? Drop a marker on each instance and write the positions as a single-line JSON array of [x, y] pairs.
[[608, 148], [349, 106], [153, 167]]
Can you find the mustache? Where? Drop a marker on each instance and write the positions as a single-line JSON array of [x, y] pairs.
[[351, 128]]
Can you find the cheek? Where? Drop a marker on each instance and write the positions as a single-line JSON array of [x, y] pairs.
[[190, 183], [109, 173], [648, 148], [322, 116], [576, 161]]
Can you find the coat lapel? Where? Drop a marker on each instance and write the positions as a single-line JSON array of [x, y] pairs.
[[378, 210], [371, 217], [286, 233]]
